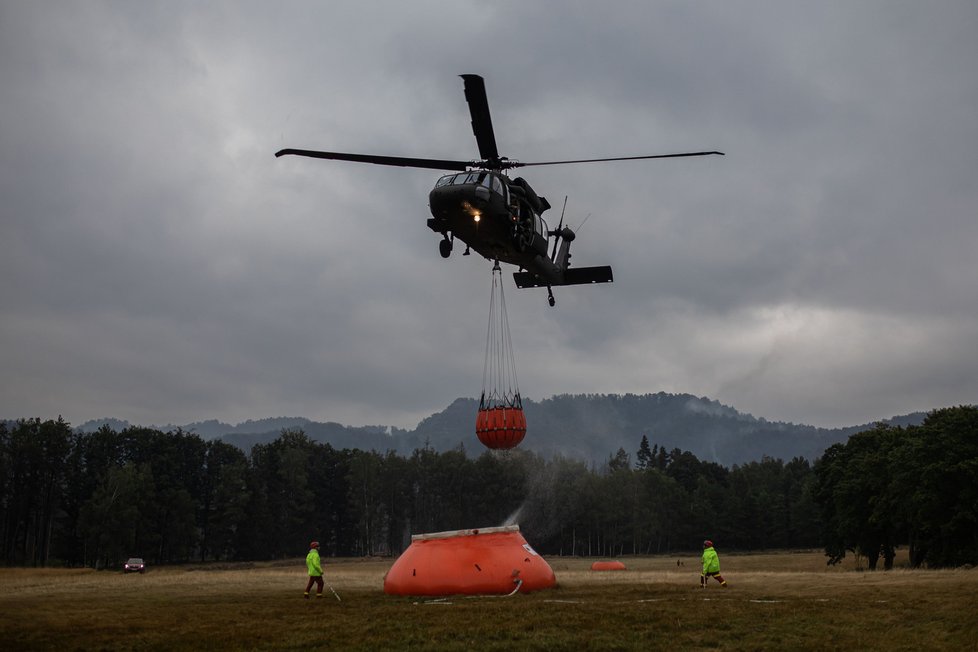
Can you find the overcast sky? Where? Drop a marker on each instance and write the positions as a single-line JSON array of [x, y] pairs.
[[158, 263]]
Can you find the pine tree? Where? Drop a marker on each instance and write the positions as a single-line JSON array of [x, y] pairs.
[[644, 457]]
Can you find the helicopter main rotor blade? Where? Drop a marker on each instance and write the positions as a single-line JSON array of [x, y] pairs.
[[475, 95], [399, 161], [516, 164]]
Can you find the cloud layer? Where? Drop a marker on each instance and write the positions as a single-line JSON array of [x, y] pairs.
[[158, 264]]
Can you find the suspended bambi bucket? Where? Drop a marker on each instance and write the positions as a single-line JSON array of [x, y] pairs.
[[500, 427], [500, 423]]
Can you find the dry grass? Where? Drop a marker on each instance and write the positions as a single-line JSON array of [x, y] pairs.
[[775, 601]]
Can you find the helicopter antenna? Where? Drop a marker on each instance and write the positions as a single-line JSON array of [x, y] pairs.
[[581, 226]]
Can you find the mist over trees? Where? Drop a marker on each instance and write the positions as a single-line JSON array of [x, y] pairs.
[[94, 499]]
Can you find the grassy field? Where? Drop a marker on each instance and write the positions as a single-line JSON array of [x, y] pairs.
[[775, 601]]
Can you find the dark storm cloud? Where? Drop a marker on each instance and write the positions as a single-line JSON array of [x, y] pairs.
[[160, 265]]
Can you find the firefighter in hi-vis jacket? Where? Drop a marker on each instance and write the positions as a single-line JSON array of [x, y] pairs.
[[711, 566]]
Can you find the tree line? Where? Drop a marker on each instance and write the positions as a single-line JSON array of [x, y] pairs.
[[915, 486], [94, 499]]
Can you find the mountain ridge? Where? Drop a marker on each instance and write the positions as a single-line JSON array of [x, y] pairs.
[[591, 427]]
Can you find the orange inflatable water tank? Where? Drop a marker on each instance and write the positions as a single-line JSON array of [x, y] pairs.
[[500, 427], [488, 561], [607, 566]]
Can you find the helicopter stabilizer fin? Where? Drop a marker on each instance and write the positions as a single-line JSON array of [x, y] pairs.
[[586, 275], [572, 276]]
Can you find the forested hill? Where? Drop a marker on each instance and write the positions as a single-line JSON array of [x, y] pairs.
[[595, 426], [590, 427]]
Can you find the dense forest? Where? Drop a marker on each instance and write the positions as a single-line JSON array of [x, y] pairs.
[[94, 499], [915, 486]]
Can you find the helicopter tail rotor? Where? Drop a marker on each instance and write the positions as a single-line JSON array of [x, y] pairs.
[[556, 233]]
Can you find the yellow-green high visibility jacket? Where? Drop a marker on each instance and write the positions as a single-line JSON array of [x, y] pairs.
[[312, 563], [711, 563]]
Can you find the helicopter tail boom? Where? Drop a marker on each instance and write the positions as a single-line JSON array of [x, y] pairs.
[[572, 276]]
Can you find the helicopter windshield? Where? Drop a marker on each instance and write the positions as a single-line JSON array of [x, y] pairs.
[[480, 177]]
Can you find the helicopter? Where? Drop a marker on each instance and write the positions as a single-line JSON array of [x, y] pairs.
[[499, 217]]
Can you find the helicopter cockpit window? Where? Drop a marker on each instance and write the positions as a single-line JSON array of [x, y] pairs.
[[481, 177], [497, 185]]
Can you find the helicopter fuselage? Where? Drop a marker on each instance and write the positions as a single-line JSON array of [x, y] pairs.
[[497, 217]]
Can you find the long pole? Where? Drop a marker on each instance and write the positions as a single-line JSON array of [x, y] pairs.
[[334, 592]]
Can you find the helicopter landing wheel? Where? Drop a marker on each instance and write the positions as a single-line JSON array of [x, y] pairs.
[[550, 297], [445, 248]]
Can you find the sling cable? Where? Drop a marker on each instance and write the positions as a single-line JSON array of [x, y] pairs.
[[500, 423]]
